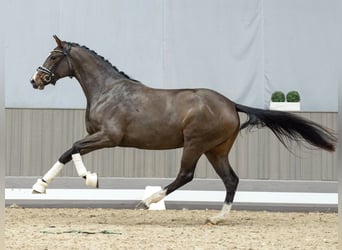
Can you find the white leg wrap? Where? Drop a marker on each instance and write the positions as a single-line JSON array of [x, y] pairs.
[[80, 168], [91, 178], [41, 184], [39, 187], [53, 172]]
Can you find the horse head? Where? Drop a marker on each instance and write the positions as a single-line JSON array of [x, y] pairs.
[[57, 65]]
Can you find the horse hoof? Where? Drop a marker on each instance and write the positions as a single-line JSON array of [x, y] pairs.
[[92, 180], [36, 192], [211, 222], [142, 206], [39, 187]]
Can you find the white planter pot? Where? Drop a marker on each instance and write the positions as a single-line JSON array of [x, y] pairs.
[[285, 106]]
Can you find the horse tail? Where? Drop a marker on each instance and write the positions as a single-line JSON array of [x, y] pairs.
[[287, 126]]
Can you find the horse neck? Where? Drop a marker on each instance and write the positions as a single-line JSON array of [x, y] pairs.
[[92, 72]]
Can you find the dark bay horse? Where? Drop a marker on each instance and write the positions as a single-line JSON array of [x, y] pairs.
[[124, 112]]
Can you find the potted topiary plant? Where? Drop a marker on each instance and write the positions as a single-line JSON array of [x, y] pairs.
[[293, 96], [292, 102], [278, 96], [277, 100]]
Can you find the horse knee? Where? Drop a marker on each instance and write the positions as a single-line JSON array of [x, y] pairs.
[[76, 148], [67, 156]]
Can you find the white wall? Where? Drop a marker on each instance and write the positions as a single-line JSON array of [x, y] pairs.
[[245, 49]]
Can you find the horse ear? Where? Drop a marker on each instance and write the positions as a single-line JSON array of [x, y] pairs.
[[58, 41]]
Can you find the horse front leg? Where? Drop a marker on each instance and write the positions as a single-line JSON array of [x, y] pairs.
[[40, 186], [84, 146]]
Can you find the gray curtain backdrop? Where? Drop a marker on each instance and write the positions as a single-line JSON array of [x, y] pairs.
[[244, 49]]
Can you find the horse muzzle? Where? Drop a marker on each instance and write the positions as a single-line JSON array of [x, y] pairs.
[[36, 85], [42, 78]]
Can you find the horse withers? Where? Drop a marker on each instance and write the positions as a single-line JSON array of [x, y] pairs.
[[124, 112]]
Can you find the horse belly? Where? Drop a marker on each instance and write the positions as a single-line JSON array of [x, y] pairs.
[[153, 139]]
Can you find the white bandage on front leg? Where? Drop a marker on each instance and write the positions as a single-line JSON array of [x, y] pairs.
[[80, 168], [41, 184], [91, 178], [39, 187], [53, 172]]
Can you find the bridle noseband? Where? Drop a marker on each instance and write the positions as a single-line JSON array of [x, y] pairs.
[[50, 73]]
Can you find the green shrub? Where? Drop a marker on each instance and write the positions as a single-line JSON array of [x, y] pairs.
[[278, 96], [293, 96]]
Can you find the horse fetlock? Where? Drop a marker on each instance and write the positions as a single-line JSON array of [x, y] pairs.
[[39, 187], [92, 180], [221, 216], [156, 197]]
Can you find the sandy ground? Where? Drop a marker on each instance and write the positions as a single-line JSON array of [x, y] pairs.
[[171, 229]]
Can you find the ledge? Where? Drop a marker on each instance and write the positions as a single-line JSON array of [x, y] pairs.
[[271, 195]]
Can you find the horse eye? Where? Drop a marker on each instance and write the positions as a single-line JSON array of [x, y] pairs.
[[52, 57]]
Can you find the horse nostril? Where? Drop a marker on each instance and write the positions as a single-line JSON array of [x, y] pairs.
[[32, 81]]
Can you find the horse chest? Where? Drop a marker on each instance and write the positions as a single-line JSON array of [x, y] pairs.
[[98, 119], [93, 122]]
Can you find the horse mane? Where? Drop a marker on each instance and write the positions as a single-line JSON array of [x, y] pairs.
[[105, 60]]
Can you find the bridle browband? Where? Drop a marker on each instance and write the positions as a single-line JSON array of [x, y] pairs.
[[50, 73]]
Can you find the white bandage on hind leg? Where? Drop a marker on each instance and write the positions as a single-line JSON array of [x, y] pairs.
[[80, 168]]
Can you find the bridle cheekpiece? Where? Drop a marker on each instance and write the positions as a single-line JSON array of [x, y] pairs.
[[49, 76]]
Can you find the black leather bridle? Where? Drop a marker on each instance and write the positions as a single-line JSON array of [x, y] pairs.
[[49, 76]]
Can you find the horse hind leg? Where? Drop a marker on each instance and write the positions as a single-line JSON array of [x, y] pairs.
[[230, 180], [185, 175]]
